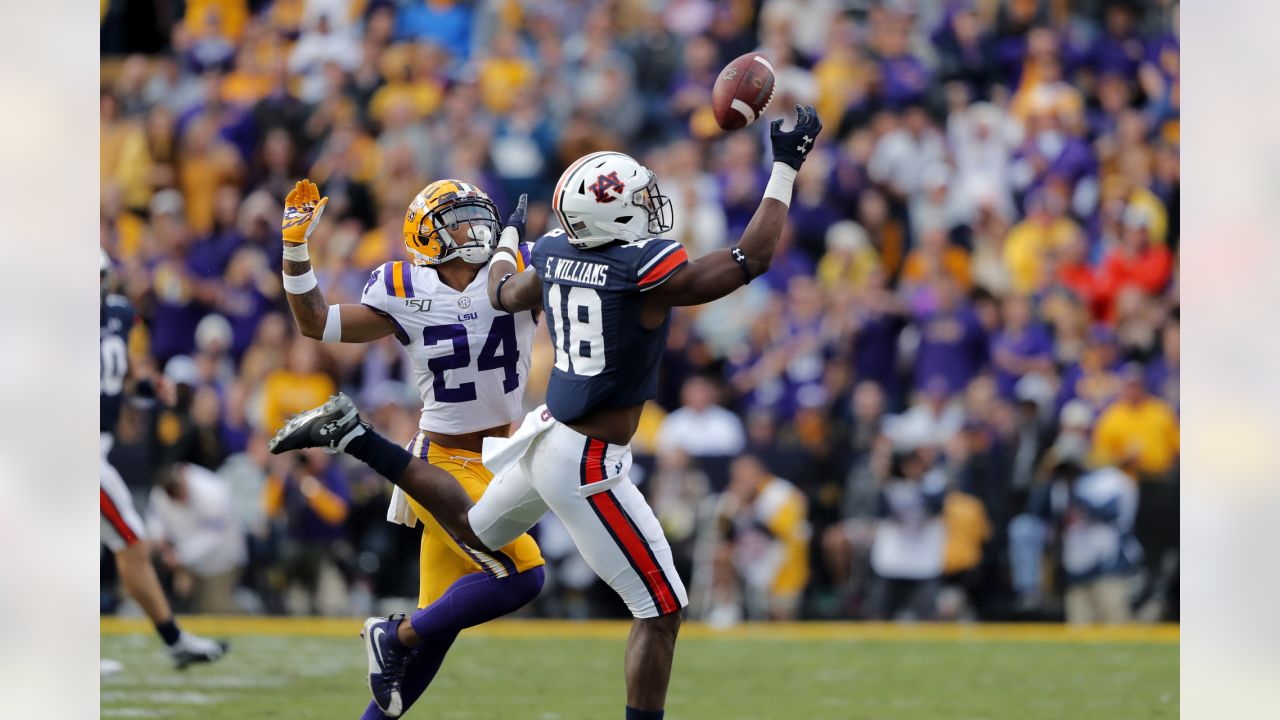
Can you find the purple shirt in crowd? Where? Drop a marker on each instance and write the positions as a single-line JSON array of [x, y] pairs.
[[953, 346], [1033, 341]]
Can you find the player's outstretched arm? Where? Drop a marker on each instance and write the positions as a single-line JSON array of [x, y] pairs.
[[317, 319], [511, 291], [717, 274]]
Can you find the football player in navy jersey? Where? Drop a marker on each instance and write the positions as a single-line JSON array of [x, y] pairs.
[[122, 529], [606, 283]]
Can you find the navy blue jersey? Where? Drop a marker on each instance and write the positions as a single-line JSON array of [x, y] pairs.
[[117, 320], [605, 357]]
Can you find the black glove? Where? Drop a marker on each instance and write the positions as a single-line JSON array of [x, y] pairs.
[[793, 146], [519, 216]]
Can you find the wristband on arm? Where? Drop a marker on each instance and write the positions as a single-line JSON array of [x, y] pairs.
[[297, 252], [780, 182], [509, 241], [498, 295], [300, 284], [333, 326], [741, 258]]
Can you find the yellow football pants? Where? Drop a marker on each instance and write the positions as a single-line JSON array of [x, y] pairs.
[[442, 559]]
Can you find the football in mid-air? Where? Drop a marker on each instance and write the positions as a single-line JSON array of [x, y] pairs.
[[743, 91]]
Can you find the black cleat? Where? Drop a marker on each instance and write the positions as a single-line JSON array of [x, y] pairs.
[[330, 426], [388, 660]]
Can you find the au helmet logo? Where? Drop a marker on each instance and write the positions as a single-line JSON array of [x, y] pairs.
[[603, 185]]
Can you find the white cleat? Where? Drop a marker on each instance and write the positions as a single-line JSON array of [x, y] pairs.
[[196, 649]]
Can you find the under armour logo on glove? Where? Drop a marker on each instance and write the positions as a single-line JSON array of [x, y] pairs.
[[792, 146]]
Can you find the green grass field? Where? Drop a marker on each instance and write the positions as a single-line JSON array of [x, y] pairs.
[[561, 671]]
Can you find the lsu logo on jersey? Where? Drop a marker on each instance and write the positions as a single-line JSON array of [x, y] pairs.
[[603, 185]]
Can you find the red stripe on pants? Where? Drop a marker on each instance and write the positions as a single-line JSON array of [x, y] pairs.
[[116, 520], [634, 546]]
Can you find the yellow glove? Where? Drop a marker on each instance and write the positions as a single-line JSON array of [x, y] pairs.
[[302, 210]]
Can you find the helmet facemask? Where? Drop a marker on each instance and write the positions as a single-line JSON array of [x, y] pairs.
[[657, 205], [467, 229]]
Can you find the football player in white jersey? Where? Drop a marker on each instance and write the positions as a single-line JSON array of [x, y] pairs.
[[470, 362]]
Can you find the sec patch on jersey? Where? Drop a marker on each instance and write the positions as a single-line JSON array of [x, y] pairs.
[[742, 91]]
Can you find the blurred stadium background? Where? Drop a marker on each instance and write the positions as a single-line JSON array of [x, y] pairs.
[[977, 289]]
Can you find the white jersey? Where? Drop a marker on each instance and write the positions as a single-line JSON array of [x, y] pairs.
[[470, 361]]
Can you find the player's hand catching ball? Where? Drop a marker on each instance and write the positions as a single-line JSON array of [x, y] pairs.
[[302, 210], [793, 146], [519, 216]]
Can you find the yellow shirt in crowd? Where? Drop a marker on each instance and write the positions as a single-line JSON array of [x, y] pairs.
[[1026, 247], [785, 512], [1149, 429], [285, 393]]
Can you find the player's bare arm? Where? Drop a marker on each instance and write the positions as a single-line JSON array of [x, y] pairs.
[[719, 273], [511, 291], [316, 318]]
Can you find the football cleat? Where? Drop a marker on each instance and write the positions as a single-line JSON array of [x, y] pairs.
[[388, 660], [195, 649], [330, 426]]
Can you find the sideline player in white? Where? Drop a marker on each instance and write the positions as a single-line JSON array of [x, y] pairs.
[[471, 363], [122, 528], [607, 286]]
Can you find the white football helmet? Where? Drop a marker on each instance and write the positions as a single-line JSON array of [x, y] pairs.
[[607, 196]]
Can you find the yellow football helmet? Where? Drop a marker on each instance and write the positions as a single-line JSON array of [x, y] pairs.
[[449, 219]]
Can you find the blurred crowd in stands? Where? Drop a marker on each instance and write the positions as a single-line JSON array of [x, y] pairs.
[[953, 395]]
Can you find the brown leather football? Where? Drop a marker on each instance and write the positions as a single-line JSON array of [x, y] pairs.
[[743, 91]]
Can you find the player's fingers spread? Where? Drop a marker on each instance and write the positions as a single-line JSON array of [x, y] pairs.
[[776, 125], [523, 203], [291, 200]]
